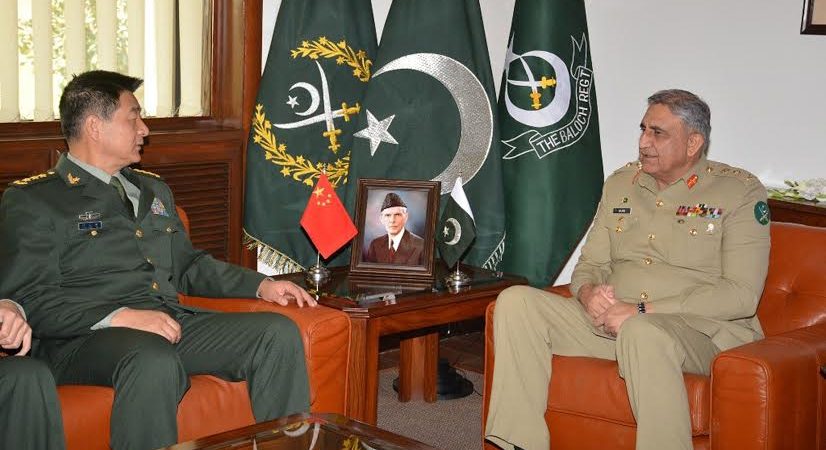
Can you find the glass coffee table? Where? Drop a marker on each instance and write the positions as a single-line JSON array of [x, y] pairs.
[[305, 432]]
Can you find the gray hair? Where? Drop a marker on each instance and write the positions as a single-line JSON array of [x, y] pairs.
[[691, 109]]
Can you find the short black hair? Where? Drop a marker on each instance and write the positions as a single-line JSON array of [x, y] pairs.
[[94, 92]]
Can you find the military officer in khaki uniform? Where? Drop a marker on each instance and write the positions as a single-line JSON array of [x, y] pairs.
[[669, 276], [96, 254], [30, 412]]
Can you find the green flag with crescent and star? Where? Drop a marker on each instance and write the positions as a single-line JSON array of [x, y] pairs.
[[551, 157], [429, 112], [456, 229], [319, 63]]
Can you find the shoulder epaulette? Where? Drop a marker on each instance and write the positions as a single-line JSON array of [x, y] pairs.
[[724, 170], [147, 173], [34, 179], [633, 165]]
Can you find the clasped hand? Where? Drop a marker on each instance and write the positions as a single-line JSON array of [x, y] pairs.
[[604, 309], [14, 331]]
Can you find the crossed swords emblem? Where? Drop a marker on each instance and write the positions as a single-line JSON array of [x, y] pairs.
[[328, 114], [543, 83]]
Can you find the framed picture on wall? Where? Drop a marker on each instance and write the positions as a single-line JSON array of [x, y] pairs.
[[396, 220], [814, 17]]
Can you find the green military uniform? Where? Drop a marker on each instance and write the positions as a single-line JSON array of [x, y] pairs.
[[695, 251], [72, 254], [30, 415]]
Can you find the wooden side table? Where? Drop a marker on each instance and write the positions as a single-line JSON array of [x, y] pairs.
[[416, 313]]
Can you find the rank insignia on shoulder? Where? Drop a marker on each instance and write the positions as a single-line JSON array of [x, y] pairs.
[[622, 211], [32, 179], [158, 208], [146, 172]]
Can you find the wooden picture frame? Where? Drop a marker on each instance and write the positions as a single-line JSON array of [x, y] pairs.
[[814, 17], [384, 207]]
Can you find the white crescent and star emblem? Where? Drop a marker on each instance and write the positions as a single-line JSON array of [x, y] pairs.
[[457, 230], [475, 114], [376, 132]]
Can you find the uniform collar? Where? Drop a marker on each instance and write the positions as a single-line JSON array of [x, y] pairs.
[[690, 179]]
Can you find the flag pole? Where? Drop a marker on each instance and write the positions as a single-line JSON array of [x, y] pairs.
[[317, 274]]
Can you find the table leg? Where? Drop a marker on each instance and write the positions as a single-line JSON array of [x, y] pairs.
[[418, 357], [363, 366]]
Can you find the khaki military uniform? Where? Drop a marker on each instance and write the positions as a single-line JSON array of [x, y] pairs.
[[71, 254], [696, 252]]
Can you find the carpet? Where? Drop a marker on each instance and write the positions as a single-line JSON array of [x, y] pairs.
[[445, 424]]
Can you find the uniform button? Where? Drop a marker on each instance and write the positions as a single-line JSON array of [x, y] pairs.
[[647, 261], [93, 232], [168, 229], [660, 203], [709, 169], [138, 234], [643, 295], [155, 285], [625, 199], [681, 221], [693, 232], [618, 229], [652, 236], [149, 260]]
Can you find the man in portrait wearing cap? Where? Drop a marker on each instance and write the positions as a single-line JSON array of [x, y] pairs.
[[398, 246]]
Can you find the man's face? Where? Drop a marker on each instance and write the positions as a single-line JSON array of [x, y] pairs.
[[668, 148], [394, 219], [122, 135]]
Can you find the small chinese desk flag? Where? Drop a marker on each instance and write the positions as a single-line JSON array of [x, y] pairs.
[[325, 220], [457, 228]]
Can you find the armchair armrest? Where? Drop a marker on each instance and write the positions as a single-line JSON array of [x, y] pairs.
[[769, 394], [326, 335]]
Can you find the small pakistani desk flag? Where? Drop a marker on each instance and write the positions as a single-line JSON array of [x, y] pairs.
[[325, 220], [457, 228]]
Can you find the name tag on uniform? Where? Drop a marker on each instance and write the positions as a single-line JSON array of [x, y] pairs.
[[90, 225], [622, 210]]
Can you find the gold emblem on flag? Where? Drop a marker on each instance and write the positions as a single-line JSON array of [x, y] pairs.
[[275, 151]]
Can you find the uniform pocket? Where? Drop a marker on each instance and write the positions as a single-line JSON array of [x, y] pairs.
[[696, 244]]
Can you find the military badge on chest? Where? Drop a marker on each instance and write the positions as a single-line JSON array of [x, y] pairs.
[[89, 220]]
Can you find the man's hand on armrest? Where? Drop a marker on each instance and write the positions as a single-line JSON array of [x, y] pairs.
[[157, 322], [282, 291], [15, 332]]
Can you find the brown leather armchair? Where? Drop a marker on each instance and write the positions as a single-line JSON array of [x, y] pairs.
[[213, 405], [765, 395]]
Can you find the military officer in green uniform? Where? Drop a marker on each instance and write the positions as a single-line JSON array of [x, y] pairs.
[[96, 254], [30, 412], [670, 275]]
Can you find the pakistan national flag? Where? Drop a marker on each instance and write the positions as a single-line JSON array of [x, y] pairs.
[[552, 163], [318, 66], [429, 114], [456, 229]]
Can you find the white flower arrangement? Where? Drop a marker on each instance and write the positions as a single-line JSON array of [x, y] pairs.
[[813, 190]]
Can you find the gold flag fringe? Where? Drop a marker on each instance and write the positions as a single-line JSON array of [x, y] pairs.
[[270, 256], [496, 256]]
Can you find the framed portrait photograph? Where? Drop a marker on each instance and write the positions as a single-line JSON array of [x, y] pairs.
[[396, 221], [814, 17]]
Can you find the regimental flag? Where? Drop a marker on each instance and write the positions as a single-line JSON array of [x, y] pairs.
[[552, 163], [429, 112], [457, 228], [317, 70], [326, 220]]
